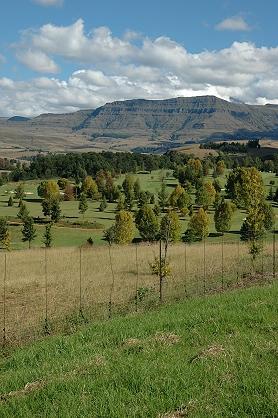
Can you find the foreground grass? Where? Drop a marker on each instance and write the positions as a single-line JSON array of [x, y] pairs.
[[208, 357]]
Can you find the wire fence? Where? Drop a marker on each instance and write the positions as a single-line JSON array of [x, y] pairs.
[[50, 290]]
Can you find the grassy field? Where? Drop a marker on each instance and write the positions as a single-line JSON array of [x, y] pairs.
[[68, 236], [59, 283], [212, 356]]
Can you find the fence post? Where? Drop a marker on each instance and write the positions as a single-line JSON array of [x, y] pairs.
[[204, 260], [46, 325], [263, 259], [274, 255], [237, 270], [185, 269], [4, 300], [222, 262], [137, 278], [160, 271], [112, 285], [80, 283]]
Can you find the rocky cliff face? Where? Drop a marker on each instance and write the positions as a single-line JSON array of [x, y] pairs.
[[195, 118]]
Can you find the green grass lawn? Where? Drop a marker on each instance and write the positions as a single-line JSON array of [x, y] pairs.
[[72, 236], [205, 357]]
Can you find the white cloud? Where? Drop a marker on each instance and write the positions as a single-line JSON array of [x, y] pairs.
[[2, 59], [72, 42], [49, 2], [235, 23], [111, 68], [37, 61]]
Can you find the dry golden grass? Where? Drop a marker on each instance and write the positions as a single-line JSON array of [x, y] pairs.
[[57, 283]]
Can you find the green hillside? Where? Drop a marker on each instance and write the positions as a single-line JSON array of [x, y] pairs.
[[205, 357]]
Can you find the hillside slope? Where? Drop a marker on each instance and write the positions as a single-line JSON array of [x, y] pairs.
[[205, 357]]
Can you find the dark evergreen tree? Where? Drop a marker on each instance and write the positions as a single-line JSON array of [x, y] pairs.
[[47, 236], [28, 230], [55, 213], [10, 201]]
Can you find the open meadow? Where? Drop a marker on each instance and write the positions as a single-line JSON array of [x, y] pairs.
[[52, 290]]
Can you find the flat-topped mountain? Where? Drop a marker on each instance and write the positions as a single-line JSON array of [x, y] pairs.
[[153, 125], [182, 118]]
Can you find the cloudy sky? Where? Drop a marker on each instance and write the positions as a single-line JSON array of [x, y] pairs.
[[64, 55]]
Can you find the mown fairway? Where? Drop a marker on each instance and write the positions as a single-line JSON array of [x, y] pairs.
[[67, 235], [205, 357]]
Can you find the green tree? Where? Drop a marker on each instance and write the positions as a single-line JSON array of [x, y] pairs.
[[253, 231], [205, 195], [270, 194], [120, 204], [170, 227], [103, 204], [23, 212], [101, 180], [137, 188], [147, 223], [156, 209], [28, 230], [83, 204], [220, 168], [245, 187], [89, 187], [19, 192], [46, 207], [124, 227], [47, 236], [276, 195], [10, 201], [5, 238], [49, 190], [217, 186], [179, 198], [163, 196], [198, 225], [69, 192], [128, 188], [269, 216], [55, 212], [62, 183], [143, 199], [109, 235], [223, 216]]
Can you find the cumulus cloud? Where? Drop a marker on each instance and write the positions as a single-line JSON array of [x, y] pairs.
[[37, 61], [235, 23], [111, 68], [49, 2], [73, 43]]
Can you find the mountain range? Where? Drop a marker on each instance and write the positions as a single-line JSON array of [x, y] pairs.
[[143, 125]]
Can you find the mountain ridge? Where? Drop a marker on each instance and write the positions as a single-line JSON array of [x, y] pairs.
[[157, 125]]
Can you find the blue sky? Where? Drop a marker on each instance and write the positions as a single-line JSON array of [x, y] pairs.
[[62, 55]]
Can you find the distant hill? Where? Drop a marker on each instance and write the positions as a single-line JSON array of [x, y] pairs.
[[18, 119], [153, 125]]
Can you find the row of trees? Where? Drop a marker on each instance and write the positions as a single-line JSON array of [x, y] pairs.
[[152, 228], [78, 166], [244, 189], [28, 231]]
